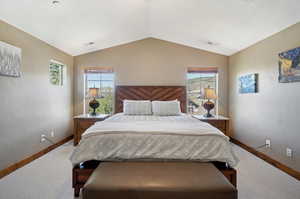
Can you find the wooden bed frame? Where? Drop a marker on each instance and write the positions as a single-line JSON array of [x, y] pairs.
[[82, 172], [160, 93]]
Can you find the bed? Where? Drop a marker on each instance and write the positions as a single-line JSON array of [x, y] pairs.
[[151, 138]]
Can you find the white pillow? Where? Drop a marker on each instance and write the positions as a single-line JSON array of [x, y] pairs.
[[137, 107], [166, 108]]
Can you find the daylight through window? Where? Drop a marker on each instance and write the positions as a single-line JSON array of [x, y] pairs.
[[104, 80], [57, 72], [197, 80]]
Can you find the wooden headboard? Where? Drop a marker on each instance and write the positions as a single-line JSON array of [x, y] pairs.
[[161, 93]]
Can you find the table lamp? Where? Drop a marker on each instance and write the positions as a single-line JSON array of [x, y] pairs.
[[94, 104], [209, 94]]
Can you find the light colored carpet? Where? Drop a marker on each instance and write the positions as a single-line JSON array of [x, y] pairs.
[[49, 177]]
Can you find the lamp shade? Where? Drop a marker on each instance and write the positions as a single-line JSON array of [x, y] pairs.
[[209, 93], [94, 92]]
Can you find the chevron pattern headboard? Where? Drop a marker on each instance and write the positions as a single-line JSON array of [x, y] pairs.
[[161, 93]]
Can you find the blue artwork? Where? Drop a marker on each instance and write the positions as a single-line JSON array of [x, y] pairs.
[[289, 66], [248, 83]]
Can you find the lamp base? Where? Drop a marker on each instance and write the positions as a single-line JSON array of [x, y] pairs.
[[94, 104], [208, 106], [208, 115], [93, 113]]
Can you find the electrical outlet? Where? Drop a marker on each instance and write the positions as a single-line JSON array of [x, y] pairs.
[[43, 139], [289, 152], [52, 133], [268, 143]]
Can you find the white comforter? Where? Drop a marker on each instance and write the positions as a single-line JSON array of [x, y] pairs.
[[123, 137]]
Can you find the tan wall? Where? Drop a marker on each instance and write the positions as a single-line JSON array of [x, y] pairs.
[[150, 62], [30, 105], [274, 111]]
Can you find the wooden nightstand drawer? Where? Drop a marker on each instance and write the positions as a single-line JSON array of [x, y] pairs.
[[220, 122], [83, 122]]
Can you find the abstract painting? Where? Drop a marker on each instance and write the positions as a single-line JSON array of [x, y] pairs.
[[289, 66], [10, 60], [248, 83]]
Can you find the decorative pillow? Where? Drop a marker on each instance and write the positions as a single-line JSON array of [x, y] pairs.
[[166, 108], [137, 107]]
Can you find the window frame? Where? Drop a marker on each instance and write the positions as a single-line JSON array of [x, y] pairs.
[[86, 99], [63, 72], [203, 70]]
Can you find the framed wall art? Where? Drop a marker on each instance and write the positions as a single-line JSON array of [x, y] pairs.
[[10, 60], [248, 83]]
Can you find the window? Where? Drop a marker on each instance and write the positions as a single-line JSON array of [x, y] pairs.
[[57, 73], [104, 80], [197, 80]]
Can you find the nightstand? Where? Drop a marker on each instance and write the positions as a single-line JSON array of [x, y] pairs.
[[83, 122], [218, 121]]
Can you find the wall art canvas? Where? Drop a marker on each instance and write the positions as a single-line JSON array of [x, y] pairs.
[[10, 60], [248, 83], [289, 66]]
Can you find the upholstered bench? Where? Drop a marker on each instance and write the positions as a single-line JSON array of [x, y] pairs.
[[158, 180]]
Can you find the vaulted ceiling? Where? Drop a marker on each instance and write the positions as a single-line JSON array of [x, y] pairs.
[[221, 26]]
